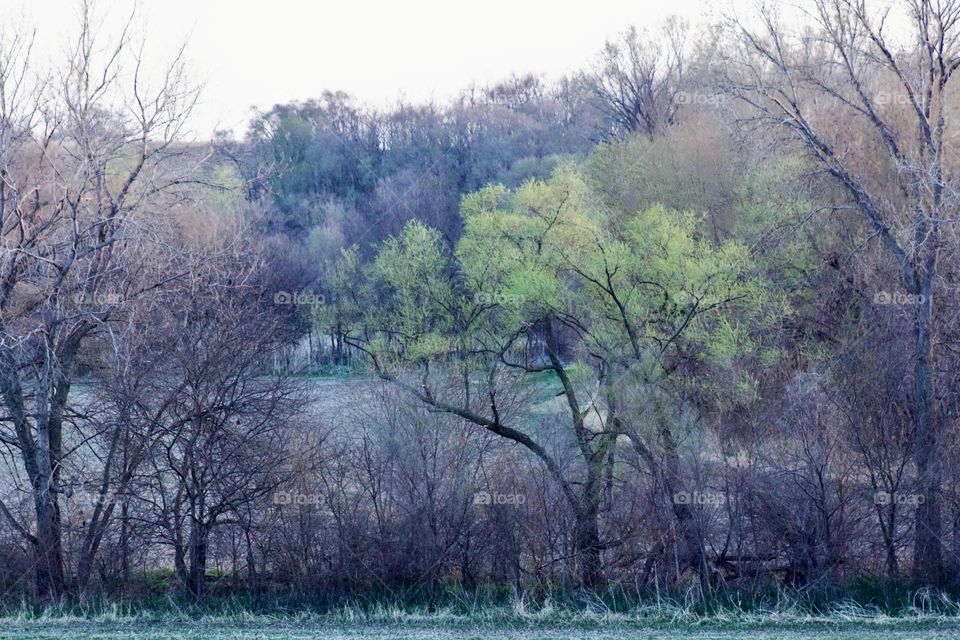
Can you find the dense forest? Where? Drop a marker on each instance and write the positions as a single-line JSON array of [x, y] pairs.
[[678, 322]]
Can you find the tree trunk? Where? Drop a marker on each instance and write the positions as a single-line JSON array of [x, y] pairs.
[[197, 572], [955, 543], [889, 540], [693, 553], [125, 542], [251, 561], [587, 547], [928, 550], [49, 563]]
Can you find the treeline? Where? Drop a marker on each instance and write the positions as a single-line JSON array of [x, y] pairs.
[[336, 169], [682, 321], [333, 171]]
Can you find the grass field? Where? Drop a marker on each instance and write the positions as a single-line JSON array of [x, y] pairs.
[[274, 630], [391, 625], [923, 617]]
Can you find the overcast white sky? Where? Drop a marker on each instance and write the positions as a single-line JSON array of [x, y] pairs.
[[258, 53]]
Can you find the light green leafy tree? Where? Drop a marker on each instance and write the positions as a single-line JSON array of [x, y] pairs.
[[543, 292]]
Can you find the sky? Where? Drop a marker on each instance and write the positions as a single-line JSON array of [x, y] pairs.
[[253, 53]]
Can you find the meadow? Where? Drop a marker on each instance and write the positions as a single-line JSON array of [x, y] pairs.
[[666, 622]]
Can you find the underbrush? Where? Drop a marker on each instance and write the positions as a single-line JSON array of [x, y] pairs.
[[871, 604]]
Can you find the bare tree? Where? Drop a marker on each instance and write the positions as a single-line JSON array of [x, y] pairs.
[[221, 412], [83, 155], [874, 115], [637, 81]]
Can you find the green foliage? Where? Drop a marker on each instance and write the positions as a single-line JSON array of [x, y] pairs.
[[633, 283], [414, 299], [534, 168], [158, 581], [691, 167], [644, 291], [330, 155]]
